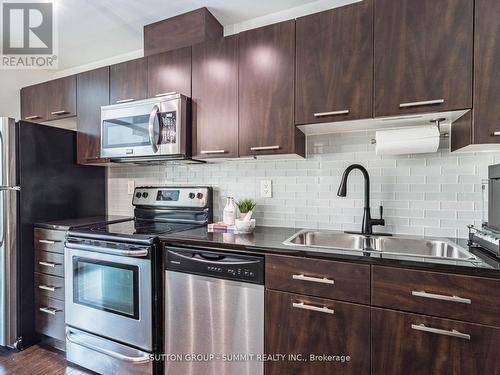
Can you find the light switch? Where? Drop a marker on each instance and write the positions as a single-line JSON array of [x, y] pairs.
[[130, 187], [266, 189]]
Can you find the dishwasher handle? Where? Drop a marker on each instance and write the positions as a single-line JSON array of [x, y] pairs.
[[212, 258]]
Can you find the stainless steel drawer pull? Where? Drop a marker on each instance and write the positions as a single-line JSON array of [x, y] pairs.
[[33, 117], [332, 113], [265, 148], [452, 333], [166, 93], [417, 104], [441, 297], [48, 264], [49, 310], [49, 242], [303, 306], [124, 101], [322, 280], [206, 152], [58, 113], [49, 288], [496, 134]]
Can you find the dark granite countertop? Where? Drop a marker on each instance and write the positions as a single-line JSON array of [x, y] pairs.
[[66, 224], [270, 240]]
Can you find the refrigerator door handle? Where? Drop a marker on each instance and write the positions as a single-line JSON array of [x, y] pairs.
[[10, 188]]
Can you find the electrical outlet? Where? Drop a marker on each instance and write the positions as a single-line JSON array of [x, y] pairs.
[[266, 189], [130, 187]]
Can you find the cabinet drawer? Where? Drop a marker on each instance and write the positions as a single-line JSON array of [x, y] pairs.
[[49, 317], [50, 240], [50, 286], [322, 278], [49, 263], [422, 345], [303, 325], [469, 298]]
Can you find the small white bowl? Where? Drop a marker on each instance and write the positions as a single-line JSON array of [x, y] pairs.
[[245, 226]]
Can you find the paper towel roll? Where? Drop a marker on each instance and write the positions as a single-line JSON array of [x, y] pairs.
[[414, 140]]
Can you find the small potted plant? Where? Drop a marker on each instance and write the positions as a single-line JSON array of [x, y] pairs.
[[245, 205]]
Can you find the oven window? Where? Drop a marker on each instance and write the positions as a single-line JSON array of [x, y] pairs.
[[126, 132], [106, 286]]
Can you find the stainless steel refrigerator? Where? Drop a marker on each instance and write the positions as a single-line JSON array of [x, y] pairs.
[[40, 181]]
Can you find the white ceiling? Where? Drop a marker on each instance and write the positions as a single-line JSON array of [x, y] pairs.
[[92, 30]]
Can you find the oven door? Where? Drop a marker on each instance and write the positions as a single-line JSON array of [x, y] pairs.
[[110, 295], [148, 127]]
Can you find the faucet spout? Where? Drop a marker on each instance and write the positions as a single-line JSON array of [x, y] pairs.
[[368, 222]]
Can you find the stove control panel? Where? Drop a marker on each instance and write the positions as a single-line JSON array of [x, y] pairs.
[[173, 196]]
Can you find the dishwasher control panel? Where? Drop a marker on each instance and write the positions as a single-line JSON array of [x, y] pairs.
[[221, 265]]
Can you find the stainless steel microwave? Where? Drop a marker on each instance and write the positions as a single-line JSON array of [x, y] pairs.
[[150, 129]]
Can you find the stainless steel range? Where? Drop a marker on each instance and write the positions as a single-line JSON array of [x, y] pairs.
[[113, 280]]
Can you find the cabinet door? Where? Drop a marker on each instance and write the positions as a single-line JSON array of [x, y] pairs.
[[215, 98], [170, 72], [61, 98], [416, 344], [423, 56], [486, 67], [129, 81], [309, 326], [34, 103], [93, 92], [335, 65], [266, 90]]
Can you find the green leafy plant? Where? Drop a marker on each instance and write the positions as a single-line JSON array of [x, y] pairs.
[[245, 205]]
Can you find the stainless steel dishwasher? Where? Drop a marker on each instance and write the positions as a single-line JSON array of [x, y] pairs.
[[214, 313]]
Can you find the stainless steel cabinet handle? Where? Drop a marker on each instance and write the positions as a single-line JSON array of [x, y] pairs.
[[496, 134], [10, 188], [48, 264], [322, 280], [124, 101], [303, 306], [32, 117], [50, 242], [441, 297], [332, 113], [417, 104], [206, 152], [58, 113], [452, 333], [166, 93], [49, 310], [265, 148], [134, 360], [49, 288]]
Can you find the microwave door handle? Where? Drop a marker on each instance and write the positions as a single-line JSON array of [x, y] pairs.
[[152, 117]]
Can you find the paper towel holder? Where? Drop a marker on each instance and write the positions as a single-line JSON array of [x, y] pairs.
[[436, 122]]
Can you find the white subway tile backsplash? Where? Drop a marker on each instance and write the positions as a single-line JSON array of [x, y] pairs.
[[432, 194]]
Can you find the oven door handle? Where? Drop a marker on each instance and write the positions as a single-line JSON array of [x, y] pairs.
[[70, 336], [152, 139], [106, 250]]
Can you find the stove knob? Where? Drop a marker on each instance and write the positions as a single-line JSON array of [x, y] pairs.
[[145, 195], [191, 195], [138, 195], [199, 195]]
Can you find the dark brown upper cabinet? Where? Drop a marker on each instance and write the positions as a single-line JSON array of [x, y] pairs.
[[486, 127], [61, 98], [334, 76], [215, 98], [266, 91], [170, 72], [34, 103], [423, 56], [128, 81], [93, 92]]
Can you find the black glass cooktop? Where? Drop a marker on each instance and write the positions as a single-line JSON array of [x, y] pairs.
[[141, 227]]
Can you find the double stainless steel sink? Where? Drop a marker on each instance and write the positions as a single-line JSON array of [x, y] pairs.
[[395, 245]]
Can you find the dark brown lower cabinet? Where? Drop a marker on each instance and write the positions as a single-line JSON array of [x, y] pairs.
[[404, 343], [297, 325]]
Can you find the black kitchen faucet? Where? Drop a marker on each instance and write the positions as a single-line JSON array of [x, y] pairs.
[[368, 222]]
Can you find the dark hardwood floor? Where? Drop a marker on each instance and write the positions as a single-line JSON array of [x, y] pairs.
[[37, 360]]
